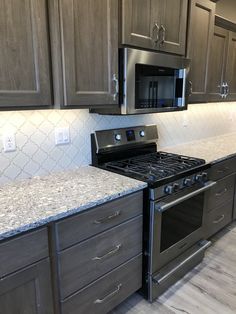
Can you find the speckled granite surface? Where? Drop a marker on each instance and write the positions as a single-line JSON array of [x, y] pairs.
[[38, 201], [212, 149]]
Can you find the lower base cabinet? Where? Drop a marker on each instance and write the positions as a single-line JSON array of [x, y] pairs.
[[107, 292], [27, 291]]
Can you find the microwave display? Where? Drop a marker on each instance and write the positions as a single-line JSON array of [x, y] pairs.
[[157, 87]]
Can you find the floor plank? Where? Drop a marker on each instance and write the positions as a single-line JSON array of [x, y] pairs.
[[210, 288]]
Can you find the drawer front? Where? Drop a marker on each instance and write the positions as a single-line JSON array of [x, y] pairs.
[[87, 224], [218, 218], [89, 260], [107, 292], [22, 251], [223, 168], [221, 193]]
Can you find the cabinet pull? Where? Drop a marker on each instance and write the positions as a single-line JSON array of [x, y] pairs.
[[226, 90], [219, 220], [222, 90], [190, 87], [112, 252], [110, 295], [163, 29], [221, 192], [108, 218], [157, 28], [116, 81]]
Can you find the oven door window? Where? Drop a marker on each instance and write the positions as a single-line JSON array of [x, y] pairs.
[[181, 220], [157, 87]]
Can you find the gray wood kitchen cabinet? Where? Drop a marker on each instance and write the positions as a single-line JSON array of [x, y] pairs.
[[25, 277], [220, 199], [200, 35], [222, 65], [98, 256], [24, 54], [155, 24], [88, 35]]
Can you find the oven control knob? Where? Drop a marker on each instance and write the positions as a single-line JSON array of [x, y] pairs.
[[169, 189], [175, 187], [118, 137], [187, 182], [142, 133], [198, 178], [204, 176]]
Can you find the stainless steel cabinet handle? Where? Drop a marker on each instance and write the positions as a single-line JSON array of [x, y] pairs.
[[157, 29], [190, 88], [226, 90], [163, 29], [112, 252], [108, 218], [219, 220], [116, 81], [110, 295], [221, 192], [161, 206]]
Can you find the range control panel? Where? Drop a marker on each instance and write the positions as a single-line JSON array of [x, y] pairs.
[[125, 136]]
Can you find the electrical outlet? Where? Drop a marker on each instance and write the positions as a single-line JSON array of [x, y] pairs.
[[62, 136], [9, 142]]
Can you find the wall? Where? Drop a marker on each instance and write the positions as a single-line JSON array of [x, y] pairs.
[[37, 154], [227, 9]]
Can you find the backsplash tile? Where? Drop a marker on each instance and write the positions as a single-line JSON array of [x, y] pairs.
[[37, 154]]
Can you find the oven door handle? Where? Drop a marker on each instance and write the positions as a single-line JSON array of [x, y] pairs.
[[162, 206]]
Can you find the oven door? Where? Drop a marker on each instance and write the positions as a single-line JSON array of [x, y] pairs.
[[176, 224]]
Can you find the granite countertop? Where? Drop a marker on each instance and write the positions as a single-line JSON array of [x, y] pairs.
[[34, 202], [211, 149]]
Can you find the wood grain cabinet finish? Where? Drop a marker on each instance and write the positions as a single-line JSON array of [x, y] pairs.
[[89, 43], [217, 64], [24, 54], [83, 263], [23, 251], [89, 223], [107, 292], [230, 77], [27, 291], [200, 35], [155, 24]]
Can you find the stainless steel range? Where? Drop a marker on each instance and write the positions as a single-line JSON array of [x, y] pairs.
[[174, 201]]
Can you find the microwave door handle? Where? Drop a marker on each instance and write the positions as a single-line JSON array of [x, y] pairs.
[[162, 206]]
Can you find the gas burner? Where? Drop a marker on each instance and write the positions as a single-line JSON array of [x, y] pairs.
[[154, 166]]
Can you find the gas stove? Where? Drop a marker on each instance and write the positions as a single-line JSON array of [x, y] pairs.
[[174, 202]]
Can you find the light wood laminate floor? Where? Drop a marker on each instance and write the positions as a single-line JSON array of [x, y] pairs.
[[210, 288]]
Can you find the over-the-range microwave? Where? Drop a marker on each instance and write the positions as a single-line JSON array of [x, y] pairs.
[[150, 82]]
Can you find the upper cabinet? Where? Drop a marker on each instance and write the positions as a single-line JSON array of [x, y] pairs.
[[201, 27], [24, 54], [222, 65], [155, 24], [89, 43]]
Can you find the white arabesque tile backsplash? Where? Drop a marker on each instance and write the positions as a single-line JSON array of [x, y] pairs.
[[37, 154]]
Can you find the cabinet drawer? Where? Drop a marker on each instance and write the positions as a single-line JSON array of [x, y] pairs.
[[223, 168], [91, 259], [221, 193], [22, 251], [218, 218], [103, 295], [87, 224]]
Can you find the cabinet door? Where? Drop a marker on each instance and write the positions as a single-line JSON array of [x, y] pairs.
[[24, 54], [27, 291], [230, 77], [217, 62], [140, 23], [173, 26], [89, 32], [201, 28]]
